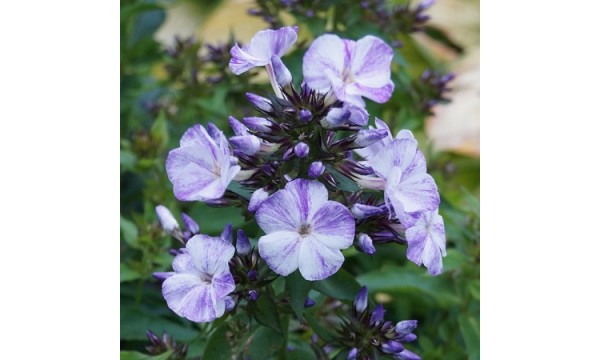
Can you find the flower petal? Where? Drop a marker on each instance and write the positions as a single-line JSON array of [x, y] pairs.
[[280, 251], [416, 191], [333, 225], [379, 94], [317, 261], [327, 52], [210, 254], [263, 45], [279, 211], [399, 154], [183, 263], [187, 296], [371, 63], [223, 284], [309, 196]]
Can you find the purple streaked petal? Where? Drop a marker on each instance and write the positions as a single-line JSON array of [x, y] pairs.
[[210, 254], [183, 263], [280, 251], [263, 45], [238, 128], [241, 61], [160, 275], [417, 192], [247, 144], [257, 199], [282, 74], [427, 242], [407, 355], [371, 62], [309, 196], [187, 296], [378, 94], [198, 137], [333, 225], [317, 261], [399, 154], [327, 52], [166, 219], [279, 212], [223, 284]]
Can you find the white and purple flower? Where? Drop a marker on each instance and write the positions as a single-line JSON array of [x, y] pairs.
[[304, 230], [202, 166], [351, 69], [426, 240], [198, 288], [266, 49]]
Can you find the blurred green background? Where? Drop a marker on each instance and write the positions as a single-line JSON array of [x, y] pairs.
[[170, 81]]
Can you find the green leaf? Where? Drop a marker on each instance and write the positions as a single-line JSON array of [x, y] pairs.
[[237, 188], [263, 344], [128, 160], [129, 232], [128, 274], [265, 312], [324, 333], [298, 289], [218, 348], [441, 37], [341, 286], [343, 182], [159, 131], [469, 329], [474, 289], [134, 355]]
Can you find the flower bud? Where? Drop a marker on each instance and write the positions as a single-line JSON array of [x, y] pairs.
[[252, 295], [348, 115], [305, 115], [252, 275], [229, 303], [166, 219], [190, 224], [242, 244], [238, 128], [392, 347], [408, 338], [365, 244], [308, 302], [227, 233], [407, 355], [353, 354], [257, 198], [368, 137], [282, 74], [248, 144], [406, 327], [377, 315], [362, 211], [301, 150], [258, 124], [259, 102], [316, 169], [361, 300]]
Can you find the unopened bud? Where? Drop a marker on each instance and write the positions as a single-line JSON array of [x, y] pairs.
[[237, 127], [190, 224], [282, 74], [257, 198], [362, 211], [248, 144], [166, 219], [406, 327], [242, 244], [229, 303], [353, 354], [316, 169], [392, 347], [259, 102], [227, 233], [377, 315], [305, 115], [365, 244], [368, 137], [257, 124], [361, 301], [252, 295], [308, 302], [301, 150]]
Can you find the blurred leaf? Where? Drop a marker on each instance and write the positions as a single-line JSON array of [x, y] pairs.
[[441, 37], [159, 132], [128, 274], [218, 348], [301, 351], [474, 289], [265, 312], [343, 182], [134, 355], [454, 259], [324, 333], [469, 328], [341, 286], [237, 188], [129, 232], [128, 160], [264, 343], [395, 278], [136, 321], [298, 289]]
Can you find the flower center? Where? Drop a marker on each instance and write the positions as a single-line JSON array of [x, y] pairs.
[[347, 76], [206, 278], [305, 229]]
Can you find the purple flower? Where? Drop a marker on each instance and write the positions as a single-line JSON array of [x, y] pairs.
[[401, 171], [348, 115], [352, 69], [304, 230], [407, 355], [427, 241], [316, 169], [202, 167], [201, 281], [265, 49]]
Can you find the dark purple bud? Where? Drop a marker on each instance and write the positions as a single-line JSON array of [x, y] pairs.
[[408, 338], [282, 74], [190, 224], [227, 233], [368, 137], [174, 252], [166, 219], [237, 127], [431, 103], [252, 275], [422, 18], [252, 295], [229, 303], [242, 244], [353, 354], [258, 124], [365, 244], [259, 102], [316, 169], [162, 275], [155, 340], [386, 326], [288, 154], [301, 150], [362, 211], [257, 198], [327, 349], [346, 115], [291, 348], [248, 144], [426, 74], [364, 5], [407, 355], [392, 347], [447, 78], [377, 316], [308, 302], [305, 115], [396, 44], [406, 327], [314, 339], [286, 2], [361, 300], [309, 13]]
